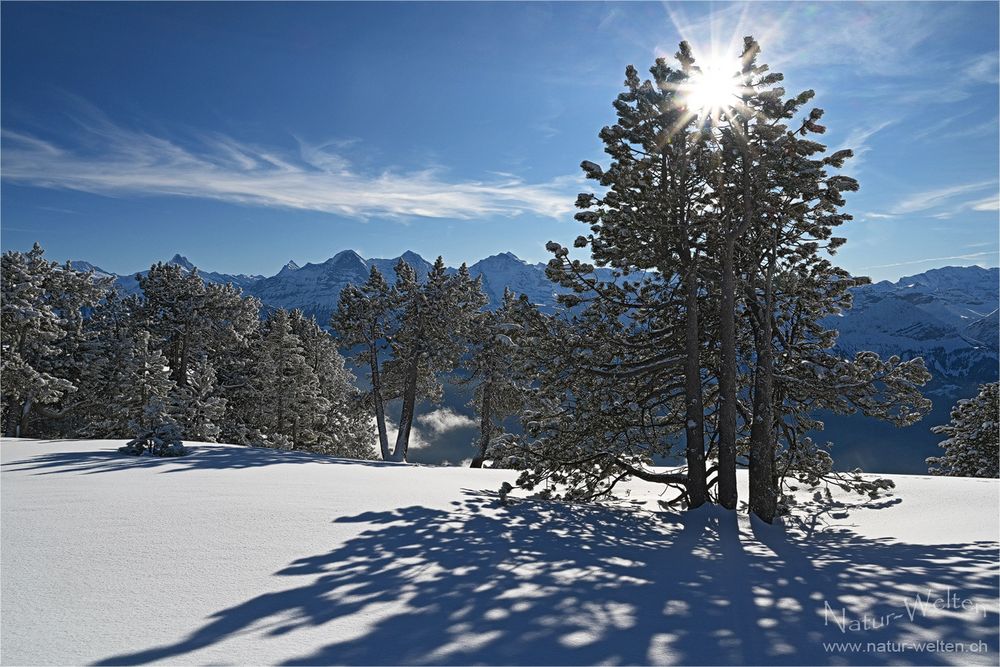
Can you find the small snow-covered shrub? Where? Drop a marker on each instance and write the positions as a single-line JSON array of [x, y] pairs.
[[162, 440]]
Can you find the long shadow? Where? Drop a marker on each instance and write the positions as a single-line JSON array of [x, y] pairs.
[[541, 583], [200, 458]]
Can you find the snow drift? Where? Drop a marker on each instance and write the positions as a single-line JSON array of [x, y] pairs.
[[236, 555]]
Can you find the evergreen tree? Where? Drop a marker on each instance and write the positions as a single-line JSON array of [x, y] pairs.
[[495, 362], [434, 322], [344, 429], [972, 448], [650, 222], [155, 432], [704, 222], [145, 381], [366, 319], [41, 333], [780, 182], [190, 319], [197, 407], [293, 407], [109, 357]]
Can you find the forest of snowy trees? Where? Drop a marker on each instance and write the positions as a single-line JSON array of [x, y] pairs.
[[702, 337], [81, 360], [209, 364]]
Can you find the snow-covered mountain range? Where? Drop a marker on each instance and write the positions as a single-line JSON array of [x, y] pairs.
[[948, 316], [315, 288], [129, 283]]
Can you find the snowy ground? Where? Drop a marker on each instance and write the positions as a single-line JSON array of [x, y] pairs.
[[234, 555]]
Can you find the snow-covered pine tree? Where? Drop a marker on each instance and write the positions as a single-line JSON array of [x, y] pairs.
[[345, 429], [146, 381], [434, 321], [175, 313], [680, 193], [781, 181], [972, 448], [41, 335], [108, 357], [191, 320], [293, 407], [126, 375], [365, 321], [235, 363], [495, 363], [730, 211], [650, 222], [197, 408]]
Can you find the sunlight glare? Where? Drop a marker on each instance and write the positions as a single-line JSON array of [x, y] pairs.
[[711, 90]]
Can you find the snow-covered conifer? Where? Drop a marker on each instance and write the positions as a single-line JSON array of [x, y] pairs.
[[293, 409], [365, 321], [41, 335], [344, 430], [434, 322], [972, 448], [197, 407], [495, 363], [156, 432], [702, 217]]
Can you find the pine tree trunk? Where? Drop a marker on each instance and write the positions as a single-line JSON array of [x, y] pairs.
[[383, 435], [763, 500], [695, 412], [13, 411], [22, 423], [182, 378], [485, 425], [728, 495], [406, 415]]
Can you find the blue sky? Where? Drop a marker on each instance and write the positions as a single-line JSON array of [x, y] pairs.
[[245, 135]]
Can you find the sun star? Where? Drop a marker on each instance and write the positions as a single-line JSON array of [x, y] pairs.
[[713, 89]]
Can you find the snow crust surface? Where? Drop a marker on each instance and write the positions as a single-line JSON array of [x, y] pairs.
[[247, 556]]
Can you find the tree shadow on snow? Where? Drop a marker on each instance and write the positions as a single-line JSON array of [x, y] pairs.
[[543, 583], [199, 458]]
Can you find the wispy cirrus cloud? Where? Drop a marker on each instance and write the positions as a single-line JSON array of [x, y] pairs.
[[106, 158], [943, 197], [858, 140], [959, 126]]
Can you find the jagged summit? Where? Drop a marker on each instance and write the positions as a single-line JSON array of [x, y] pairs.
[[181, 261]]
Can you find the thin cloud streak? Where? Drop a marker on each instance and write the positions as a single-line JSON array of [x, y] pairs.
[[988, 204], [858, 141], [970, 256], [108, 159]]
